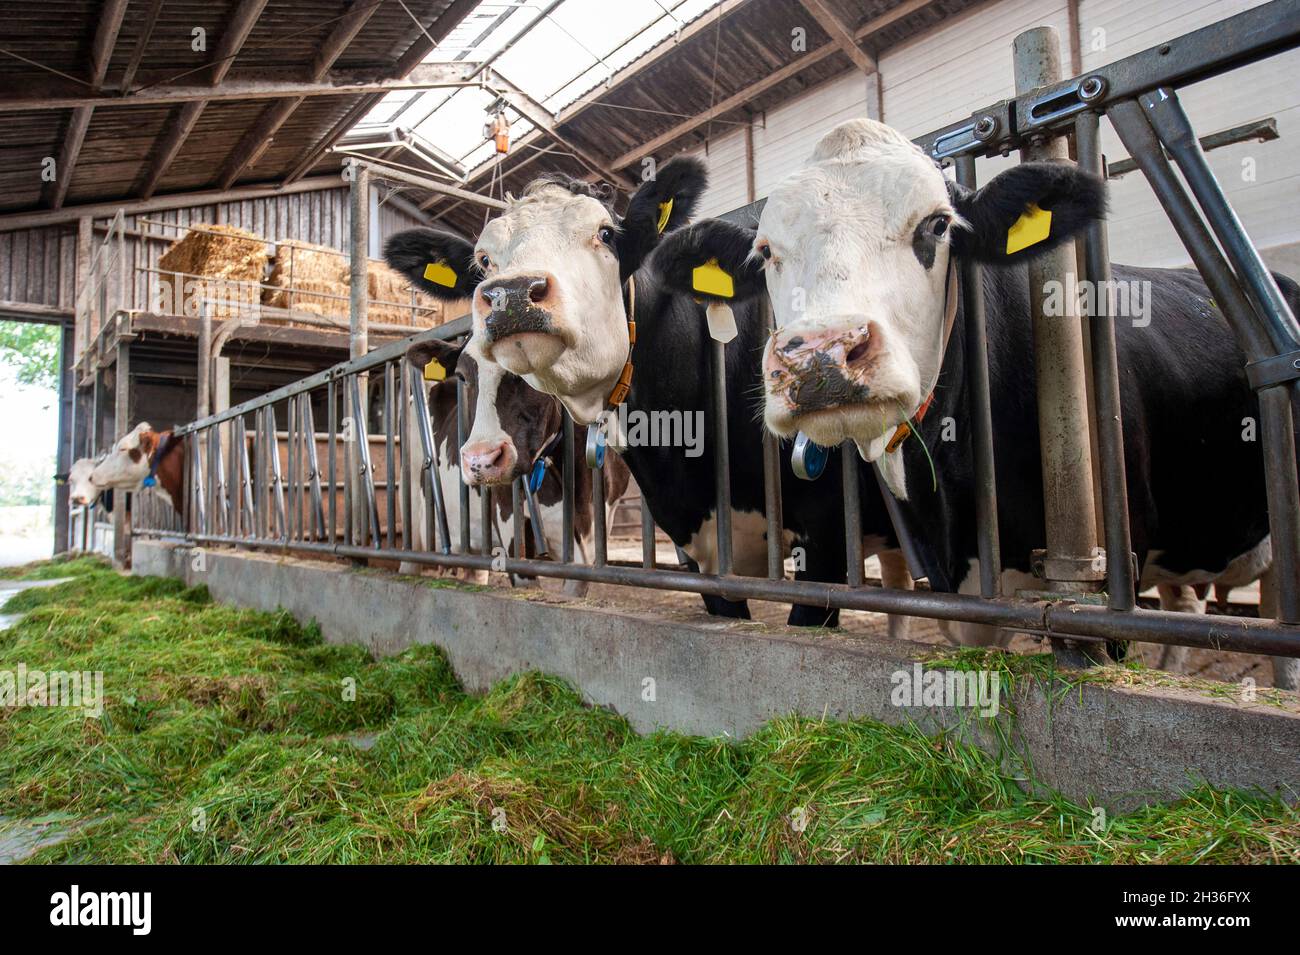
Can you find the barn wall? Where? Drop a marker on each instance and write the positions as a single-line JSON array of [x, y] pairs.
[[946, 74]]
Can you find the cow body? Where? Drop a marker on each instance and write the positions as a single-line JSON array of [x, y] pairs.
[[1186, 406], [867, 233]]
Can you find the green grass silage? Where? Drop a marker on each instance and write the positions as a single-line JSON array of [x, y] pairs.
[[231, 736]]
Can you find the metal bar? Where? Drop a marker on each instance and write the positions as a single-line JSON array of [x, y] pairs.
[[1171, 125], [373, 359], [486, 521], [647, 535], [331, 401], [405, 463], [721, 456], [462, 435], [852, 513], [1057, 618], [517, 518], [431, 480], [122, 424], [1255, 34], [976, 360], [277, 480], [365, 469], [291, 456], [389, 495], [566, 545], [1120, 571], [599, 530], [772, 474]]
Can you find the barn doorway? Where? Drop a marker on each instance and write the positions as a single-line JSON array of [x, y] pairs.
[[29, 435]]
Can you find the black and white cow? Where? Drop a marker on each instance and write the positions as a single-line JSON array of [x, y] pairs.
[[854, 250], [549, 280]]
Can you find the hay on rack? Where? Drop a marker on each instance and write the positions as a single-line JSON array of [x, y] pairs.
[[219, 264], [391, 299], [308, 278]]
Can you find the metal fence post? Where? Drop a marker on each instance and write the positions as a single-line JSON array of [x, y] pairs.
[[1070, 563]]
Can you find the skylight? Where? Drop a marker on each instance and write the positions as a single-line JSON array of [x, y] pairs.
[[566, 56]]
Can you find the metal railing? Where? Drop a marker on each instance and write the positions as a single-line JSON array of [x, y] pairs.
[[247, 486]]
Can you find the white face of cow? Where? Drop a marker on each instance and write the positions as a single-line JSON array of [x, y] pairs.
[[81, 489], [856, 258], [550, 307], [127, 465]]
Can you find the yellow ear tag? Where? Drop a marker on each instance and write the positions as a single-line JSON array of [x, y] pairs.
[[1033, 226], [711, 280], [665, 212], [441, 273], [434, 371]]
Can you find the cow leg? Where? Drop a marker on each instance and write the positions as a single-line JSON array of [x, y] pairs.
[[1184, 600], [895, 575], [719, 606], [1286, 670], [578, 588], [824, 564]]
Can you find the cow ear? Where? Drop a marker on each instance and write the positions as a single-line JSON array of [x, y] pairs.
[[712, 260], [1026, 211], [148, 442], [436, 359], [661, 205], [436, 262]]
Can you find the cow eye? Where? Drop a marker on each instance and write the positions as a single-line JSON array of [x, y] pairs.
[[939, 225], [606, 234], [765, 250], [484, 260]]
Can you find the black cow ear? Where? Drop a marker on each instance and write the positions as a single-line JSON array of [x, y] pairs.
[[1026, 211], [661, 205], [436, 262], [436, 358], [712, 260]]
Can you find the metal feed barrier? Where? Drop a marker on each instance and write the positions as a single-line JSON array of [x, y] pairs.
[[250, 487]]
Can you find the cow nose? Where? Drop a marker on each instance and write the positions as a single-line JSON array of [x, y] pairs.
[[487, 462], [516, 291], [815, 369]]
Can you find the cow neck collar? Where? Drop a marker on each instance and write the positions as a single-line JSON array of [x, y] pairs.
[[950, 299], [166, 441], [624, 383]]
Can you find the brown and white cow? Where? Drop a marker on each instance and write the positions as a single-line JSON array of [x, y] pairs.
[[144, 457]]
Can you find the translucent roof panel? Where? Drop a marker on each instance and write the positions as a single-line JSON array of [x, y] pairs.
[[565, 56]]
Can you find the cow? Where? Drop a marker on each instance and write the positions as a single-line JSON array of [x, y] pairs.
[[856, 250], [557, 283], [82, 491], [143, 458], [516, 432]]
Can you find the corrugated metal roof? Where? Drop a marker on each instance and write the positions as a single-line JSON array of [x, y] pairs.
[[123, 141]]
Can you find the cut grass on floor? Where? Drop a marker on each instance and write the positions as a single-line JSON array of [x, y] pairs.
[[230, 736]]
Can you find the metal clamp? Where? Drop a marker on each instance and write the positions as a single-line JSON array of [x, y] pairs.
[[1079, 569], [807, 460], [1277, 370]]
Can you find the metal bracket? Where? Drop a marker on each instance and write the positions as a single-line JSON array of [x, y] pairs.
[[1083, 569], [1277, 370], [984, 130]]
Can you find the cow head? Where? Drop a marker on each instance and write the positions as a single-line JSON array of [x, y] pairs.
[[81, 489], [854, 249], [510, 422], [127, 465], [546, 277]]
